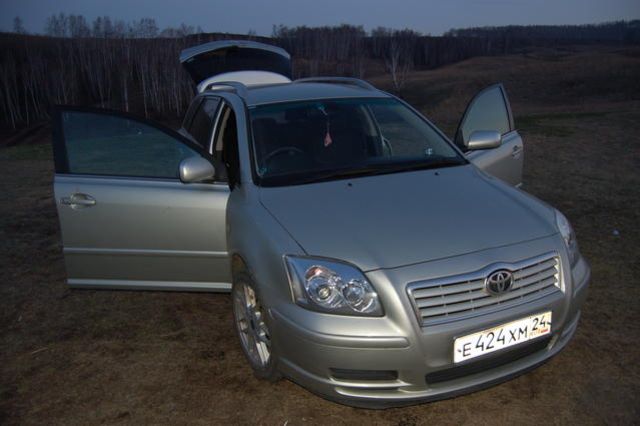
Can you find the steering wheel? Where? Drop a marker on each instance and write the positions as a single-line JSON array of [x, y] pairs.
[[282, 150]]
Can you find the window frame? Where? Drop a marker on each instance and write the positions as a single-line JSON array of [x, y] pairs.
[[217, 132], [214, 130], [233, 177], [60, 155]]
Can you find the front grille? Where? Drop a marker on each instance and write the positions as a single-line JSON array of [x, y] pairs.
[[463, 296]]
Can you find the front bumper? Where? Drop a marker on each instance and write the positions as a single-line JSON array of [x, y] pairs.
[[313, 347]]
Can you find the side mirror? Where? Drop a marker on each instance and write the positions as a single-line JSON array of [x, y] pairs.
[[484, 139], [196, 169]]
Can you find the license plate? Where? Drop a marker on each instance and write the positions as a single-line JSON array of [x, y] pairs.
[[501, 337]]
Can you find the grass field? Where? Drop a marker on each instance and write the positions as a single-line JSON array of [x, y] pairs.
[[79, 357]]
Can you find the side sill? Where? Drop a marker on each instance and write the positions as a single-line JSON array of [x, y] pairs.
[[144, 252], [149, 285]]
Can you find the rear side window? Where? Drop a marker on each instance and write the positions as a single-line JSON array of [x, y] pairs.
[[188, 116], [108, 144], [202, 123]]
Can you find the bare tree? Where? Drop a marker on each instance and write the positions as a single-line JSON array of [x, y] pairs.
[[103, 28], [107, 27], [145, 28], [182, 31], [124, 65], [96, 27], [18, 26], [397, 62], [57, 25], [120, 29], [397, 49], [10, 90], [78, 27]]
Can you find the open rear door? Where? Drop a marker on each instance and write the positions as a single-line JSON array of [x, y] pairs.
[[247, 62]]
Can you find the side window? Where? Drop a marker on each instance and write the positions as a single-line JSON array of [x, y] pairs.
[[111, 144], [487, 111], [202, 122], [188, 116]]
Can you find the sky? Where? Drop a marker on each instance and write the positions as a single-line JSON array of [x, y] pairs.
[[240, 16]]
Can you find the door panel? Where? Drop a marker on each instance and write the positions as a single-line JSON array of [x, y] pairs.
[[490, 110], [126, 219], [504, 162]]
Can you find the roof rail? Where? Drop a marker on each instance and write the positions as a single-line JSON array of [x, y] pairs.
[[237, 87], [338, 80]]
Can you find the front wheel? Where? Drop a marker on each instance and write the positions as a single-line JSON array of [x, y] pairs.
[[250, 320]]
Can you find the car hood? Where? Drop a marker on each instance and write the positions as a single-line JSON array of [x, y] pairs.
[[394, 220]]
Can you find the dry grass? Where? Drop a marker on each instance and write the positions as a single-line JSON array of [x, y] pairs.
[[78, 357]]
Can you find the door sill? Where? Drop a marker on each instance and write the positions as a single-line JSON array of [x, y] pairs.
[[149, 285]]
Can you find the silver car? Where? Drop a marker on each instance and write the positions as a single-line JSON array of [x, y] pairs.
[[371, 259]]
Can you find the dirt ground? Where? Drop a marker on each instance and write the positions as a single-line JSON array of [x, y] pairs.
[[88, 357]]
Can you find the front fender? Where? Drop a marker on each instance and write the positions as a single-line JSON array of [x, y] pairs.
[[257, 242]]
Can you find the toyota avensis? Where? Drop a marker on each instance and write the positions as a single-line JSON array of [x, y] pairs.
[[370, 259]]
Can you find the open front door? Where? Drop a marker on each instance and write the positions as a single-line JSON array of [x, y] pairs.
[[127, 220], [242, 61], [490, 110]]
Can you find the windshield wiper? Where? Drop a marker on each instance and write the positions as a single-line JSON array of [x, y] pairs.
[[435, 163], [379, 169], [336, 174]]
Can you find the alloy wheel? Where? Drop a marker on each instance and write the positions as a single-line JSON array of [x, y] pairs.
[[252, 328]]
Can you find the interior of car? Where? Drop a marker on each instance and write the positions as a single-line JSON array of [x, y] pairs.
[[315, 136]]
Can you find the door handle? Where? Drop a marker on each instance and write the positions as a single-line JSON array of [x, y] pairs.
[[78, 200], [517, 149]]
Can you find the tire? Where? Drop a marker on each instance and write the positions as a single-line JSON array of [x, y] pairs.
[[252, 328]]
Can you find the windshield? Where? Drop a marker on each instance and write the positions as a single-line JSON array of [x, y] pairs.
[[301, 142]]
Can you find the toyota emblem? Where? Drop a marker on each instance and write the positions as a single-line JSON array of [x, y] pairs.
[[499, 282]]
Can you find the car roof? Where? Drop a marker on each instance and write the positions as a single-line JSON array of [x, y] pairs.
[[301, 91]]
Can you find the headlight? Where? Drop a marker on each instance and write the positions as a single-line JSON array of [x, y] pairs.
[[331, 286], [568, 236]]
